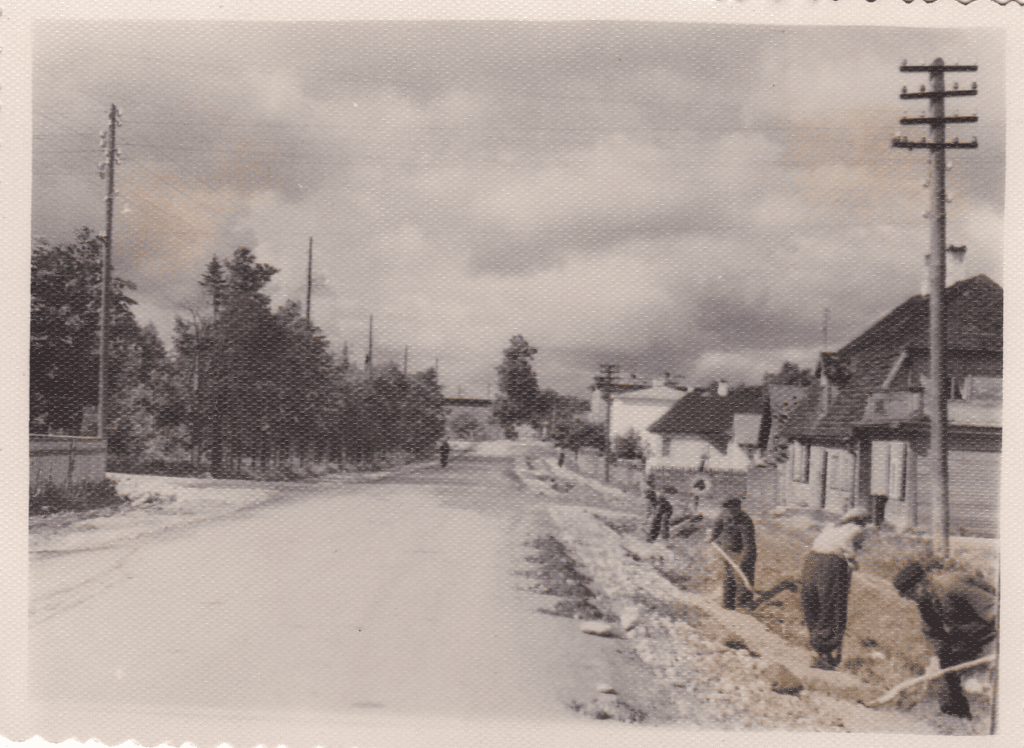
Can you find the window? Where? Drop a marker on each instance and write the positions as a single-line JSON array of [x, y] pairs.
[[837, 478], [984, 388], [801, 462], [666, 446]]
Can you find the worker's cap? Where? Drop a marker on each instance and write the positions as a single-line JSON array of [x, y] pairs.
[[855, 515], [908, 577], [732, 501]]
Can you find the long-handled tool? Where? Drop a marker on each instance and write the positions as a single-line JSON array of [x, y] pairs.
[[735, 567], [893, 693]]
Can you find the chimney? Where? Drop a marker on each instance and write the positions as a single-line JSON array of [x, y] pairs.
[[955, 265], [723, 388]]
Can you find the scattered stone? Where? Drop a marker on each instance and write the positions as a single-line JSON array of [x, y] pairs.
[[976, 686], [597, 628], [777, 511], [782, 679], [878, 656], [629, 617], [605, 688]]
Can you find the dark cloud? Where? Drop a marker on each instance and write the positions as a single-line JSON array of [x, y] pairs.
[[669, 197]]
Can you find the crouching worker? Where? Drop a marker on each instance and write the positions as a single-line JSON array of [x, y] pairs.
[[958, 613], [825, 589], [736, 530]]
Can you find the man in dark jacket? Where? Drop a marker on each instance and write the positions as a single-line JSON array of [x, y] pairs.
[[659, 512], [444, 451], [959, 615], [736, 531]]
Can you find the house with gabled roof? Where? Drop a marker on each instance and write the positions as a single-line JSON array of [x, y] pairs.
[[634, 411], [864, 429], [712, 429]]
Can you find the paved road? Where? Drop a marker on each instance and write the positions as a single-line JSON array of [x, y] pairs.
[[349, 609]]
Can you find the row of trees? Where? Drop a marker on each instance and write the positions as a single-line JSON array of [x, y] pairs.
[[243, 383]]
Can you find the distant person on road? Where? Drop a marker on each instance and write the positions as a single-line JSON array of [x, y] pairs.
[[735, 528], [445, 451], [825, 589], [958, 611], [659, 512]]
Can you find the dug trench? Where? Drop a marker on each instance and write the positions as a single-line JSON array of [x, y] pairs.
[[883, 646]]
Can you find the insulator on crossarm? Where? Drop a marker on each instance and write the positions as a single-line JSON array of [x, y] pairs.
[[922, 89], [949, 166], [955, 85], [974, 86], [904, 63], [904, 89]]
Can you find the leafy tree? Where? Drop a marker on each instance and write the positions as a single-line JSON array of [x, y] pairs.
[[790, 373], [518, 391], [465, 425], [576, 434], [64, 344]]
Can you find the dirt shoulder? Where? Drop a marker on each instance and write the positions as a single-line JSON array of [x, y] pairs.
[[723, 658]]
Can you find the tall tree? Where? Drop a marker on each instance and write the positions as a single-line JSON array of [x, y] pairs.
[[518, 391], [64, 344], [790, 373]]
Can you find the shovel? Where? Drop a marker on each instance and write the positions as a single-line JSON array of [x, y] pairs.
[[785, 584], [735, 567], [893, 693]]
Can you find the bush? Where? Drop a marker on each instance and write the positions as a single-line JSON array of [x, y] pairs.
[[51, 498], [629, 446]]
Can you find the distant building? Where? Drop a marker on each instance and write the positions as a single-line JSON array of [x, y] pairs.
[[865, 429], [717, 430], [636, 410]]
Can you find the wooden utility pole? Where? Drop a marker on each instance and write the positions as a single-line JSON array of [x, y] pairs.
[[309, 283], [369, 349], [106, 170], [405, 363], [937, 394], [605, 381]]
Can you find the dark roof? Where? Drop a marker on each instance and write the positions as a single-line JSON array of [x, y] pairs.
[[706, 412], [467, 402], [974, 314]]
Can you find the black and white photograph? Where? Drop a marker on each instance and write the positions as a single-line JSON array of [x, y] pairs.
[[512, 379]]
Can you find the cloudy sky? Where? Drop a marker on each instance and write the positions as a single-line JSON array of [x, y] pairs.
[[666, 197]]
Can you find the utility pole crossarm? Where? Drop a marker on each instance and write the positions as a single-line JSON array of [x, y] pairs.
[[939, 94], [935, 68], [905, 142], [935, 120]]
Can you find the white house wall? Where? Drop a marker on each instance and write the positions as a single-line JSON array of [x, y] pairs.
[[689, 452], [637, 416]]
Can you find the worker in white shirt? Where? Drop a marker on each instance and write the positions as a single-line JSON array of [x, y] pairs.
[[826, 585]]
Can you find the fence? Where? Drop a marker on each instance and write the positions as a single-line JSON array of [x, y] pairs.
[[66, 460], [757, 485]]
